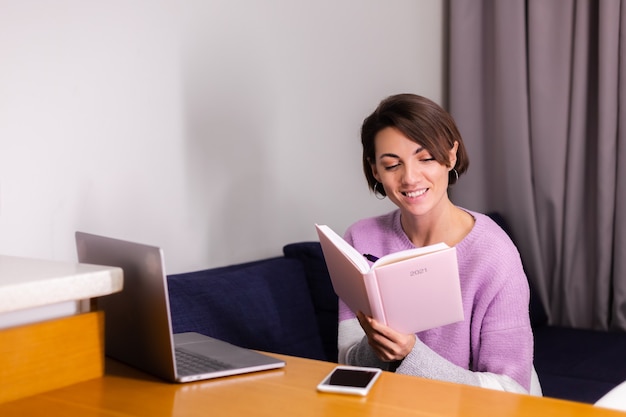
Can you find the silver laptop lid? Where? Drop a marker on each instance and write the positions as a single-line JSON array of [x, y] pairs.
[[138, 328]]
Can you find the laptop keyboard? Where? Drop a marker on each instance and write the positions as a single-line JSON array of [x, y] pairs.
[[189, 363]]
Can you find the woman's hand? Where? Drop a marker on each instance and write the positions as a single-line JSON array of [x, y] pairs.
[[388, 344]]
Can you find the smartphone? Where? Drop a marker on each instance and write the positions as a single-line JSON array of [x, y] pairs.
[[344, 379]]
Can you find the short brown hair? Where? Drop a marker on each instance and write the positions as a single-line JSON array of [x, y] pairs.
[[420, 120]]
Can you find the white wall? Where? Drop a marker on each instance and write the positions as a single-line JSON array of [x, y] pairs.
[[218, 129]]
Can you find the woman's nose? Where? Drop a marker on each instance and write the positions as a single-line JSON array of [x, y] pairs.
[[412, 173]]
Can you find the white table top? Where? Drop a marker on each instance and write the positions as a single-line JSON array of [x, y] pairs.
[[26, 283], [614, 399]]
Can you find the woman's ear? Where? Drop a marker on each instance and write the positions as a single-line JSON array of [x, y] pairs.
[[452, 154], [374, 171]]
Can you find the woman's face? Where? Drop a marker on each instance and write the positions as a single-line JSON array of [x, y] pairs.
[[412, 178]]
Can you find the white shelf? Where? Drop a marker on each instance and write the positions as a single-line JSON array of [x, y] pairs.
[[40, 285]]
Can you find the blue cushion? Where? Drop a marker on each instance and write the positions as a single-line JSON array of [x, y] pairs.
[[323, 296], [574, 389], [263, 305], [579, 364]]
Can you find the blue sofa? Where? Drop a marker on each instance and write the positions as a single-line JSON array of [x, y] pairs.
[[287, 305], [284, 304], [573, 364]]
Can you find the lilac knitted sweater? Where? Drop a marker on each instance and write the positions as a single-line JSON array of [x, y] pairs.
[[496, 336]]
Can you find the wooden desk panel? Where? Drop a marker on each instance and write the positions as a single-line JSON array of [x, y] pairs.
[[290, 391], [34, 358]]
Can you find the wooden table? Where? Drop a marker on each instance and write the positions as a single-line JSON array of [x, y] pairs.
[[286, 392]]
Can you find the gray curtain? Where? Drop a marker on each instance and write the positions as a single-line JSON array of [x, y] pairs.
[[538, 89]]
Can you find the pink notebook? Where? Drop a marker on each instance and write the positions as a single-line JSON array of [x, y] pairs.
[[409, 291]]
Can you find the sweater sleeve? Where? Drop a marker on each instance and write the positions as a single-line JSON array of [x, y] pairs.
[[421, 361], [353, 348]]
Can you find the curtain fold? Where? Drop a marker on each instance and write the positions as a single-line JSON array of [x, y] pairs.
[[618, 307], [535, 86]]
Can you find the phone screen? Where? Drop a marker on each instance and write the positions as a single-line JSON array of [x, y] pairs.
[[351, 378]]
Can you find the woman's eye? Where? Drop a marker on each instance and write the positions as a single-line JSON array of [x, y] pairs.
[[391, 167], [424, 156]]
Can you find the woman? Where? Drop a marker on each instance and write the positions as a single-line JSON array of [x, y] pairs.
[[412, 152]]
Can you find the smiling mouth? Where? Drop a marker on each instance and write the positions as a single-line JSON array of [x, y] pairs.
[[414, 194]]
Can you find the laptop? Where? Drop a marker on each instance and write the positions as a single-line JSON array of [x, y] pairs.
[[138, 326]]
